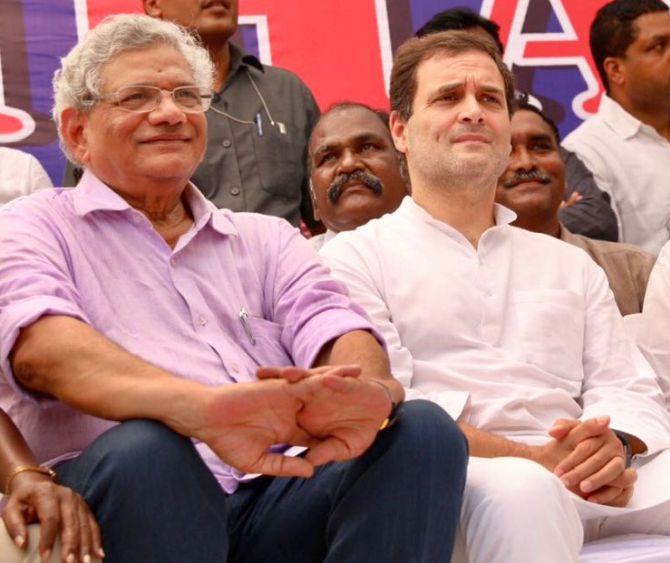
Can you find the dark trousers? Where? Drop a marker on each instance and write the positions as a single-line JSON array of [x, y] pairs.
[[156, 501]]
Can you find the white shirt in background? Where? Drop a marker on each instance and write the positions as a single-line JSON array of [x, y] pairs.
[[631, 162], [20, 174], [509, 336], [319, 240]]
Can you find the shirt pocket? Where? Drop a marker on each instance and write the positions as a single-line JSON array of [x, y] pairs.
[[550, 330], [261, 340], [279, 157]]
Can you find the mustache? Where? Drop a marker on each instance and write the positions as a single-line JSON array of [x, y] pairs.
[[521, 176], [370, 181]]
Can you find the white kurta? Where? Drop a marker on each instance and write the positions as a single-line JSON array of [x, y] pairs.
[[630, 161], [507, 337]]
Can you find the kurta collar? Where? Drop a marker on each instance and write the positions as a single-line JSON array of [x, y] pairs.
[[503, 215]]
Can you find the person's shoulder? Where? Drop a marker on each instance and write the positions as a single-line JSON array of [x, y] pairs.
[[45, 201], [629, 252], [592, 128]]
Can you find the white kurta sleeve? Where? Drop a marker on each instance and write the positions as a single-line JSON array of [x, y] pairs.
[[653, 328], [612, 386], [357, 265]]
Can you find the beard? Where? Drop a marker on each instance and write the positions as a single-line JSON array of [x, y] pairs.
[[443, 165]]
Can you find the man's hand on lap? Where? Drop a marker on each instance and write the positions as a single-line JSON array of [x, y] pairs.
[[240, 422], [589, 459]]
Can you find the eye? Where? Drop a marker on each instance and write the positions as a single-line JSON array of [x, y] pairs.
[[542, 146], [189, 97], [325, 158], [491, 99], [447, 97], [134, 98], [365, 147]]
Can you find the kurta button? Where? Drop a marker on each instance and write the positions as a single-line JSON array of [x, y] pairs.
[[202, 321], [235, 190], [227, 143]]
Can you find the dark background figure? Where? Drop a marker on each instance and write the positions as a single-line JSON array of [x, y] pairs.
[[533, 186], [589, 213]]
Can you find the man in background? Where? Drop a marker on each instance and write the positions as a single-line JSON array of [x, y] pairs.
[[354, 169], [627, 143], [533, 185]]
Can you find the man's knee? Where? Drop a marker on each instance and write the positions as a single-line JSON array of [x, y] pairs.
[[425, 425], [510, 485], [134, 450]]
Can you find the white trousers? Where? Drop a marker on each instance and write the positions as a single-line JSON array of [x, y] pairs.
[[516, 510]]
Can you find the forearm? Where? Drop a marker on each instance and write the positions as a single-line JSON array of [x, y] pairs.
[[67, 359], [361, 348], [13, 449], [484, 444]]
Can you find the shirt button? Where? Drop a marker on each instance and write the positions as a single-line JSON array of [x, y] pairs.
[[227, 143], [235, 190], [234, 368], [173, 262], [202, 321]]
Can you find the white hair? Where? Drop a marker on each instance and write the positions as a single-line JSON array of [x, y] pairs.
[[77, 82]]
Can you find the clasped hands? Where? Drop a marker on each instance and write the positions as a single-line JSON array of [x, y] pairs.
[[589, 459], [332, 410]]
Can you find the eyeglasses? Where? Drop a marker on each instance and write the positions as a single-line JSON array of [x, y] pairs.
[[145, 99]]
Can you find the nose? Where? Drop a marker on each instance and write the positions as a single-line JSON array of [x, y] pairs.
[[521, 158], [167, 111], [349, 162], [471, 110]]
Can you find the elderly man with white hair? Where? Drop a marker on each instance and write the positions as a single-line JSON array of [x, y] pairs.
[[132, 299]]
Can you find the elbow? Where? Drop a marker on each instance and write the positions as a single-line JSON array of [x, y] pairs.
[[26, 364]]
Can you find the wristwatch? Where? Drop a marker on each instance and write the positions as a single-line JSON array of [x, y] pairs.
[[623, 438]]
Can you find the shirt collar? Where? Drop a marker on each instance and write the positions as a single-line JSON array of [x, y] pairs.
[[503, 216], [92, 194], [622, 122], [239, 57]]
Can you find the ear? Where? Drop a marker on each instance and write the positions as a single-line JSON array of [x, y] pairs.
[[615, 71], [315, 207], [152, 8], [73, 130], [398, 132]]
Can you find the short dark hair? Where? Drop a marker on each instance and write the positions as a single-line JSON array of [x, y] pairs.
[[524, 105], [613, 30], [417, 49], [461, 19]]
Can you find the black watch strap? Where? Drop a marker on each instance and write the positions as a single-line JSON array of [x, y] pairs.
[[628, 451]]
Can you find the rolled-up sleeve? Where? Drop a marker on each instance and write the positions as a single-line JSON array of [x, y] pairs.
[[35, 279], [312, 307]]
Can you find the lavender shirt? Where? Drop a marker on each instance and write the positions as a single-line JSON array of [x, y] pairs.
[[83, 252]]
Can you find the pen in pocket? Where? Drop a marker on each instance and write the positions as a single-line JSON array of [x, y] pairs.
[[259, 124], [244, 319]]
